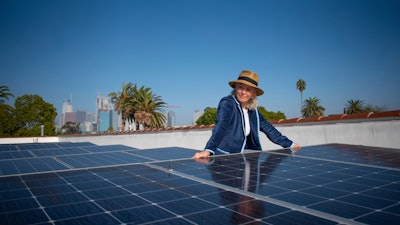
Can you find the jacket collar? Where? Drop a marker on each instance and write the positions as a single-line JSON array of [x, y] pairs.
[[238, 103]]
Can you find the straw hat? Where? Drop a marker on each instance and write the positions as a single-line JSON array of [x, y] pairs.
[[249, 78]]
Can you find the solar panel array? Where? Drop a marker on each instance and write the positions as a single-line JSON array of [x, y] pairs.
[[82, 183]]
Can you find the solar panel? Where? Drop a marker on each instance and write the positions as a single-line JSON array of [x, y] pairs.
[[327, 184]]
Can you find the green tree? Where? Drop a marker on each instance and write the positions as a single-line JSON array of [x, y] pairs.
[[354, 106], [301, 86], [140, 105], [71, 128], [121, 100], [7, 122], [312, 108], [148, 108], [371, 108], [269, 115], [5, 95], [209, 117], [31, 111]]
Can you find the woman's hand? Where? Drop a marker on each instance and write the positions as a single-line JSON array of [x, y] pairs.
[[202, 154], [295, 147]]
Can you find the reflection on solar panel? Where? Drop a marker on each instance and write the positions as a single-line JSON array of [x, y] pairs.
[[73, 183]]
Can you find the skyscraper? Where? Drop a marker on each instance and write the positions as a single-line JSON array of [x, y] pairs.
[[107, 117], [171, 119], [67, 105], [67, 112], [80, 116], [114, 119], [104, 121]]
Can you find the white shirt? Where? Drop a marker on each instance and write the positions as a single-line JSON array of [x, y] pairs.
[[246, 121]]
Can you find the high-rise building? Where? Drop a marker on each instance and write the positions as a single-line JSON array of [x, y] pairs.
[[90, 117], [69, 117], [67, 106], [114, 119], [171, 119], [66, 115], [80, 116], [103, 103], [104, 121]]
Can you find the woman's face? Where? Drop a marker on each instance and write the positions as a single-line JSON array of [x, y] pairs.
[[244, 93]]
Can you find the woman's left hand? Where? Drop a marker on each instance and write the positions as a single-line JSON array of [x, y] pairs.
[[295, 147]]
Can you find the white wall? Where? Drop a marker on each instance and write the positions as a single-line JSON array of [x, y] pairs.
[[369, 133], [384, 134], [24, 140]]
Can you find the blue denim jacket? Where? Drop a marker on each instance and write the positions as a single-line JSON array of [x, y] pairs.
[[228, 135]]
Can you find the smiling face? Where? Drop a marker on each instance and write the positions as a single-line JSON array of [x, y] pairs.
[[244, 93]]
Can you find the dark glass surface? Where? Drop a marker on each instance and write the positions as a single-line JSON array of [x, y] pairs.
[[33, 216], [14, 154], [143, 214], [295, 218], [81, 183]]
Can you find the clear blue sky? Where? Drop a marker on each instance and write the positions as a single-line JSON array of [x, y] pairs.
[[186, 51]]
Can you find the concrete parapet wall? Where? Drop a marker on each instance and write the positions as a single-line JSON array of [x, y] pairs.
[[384, 134], [369, 133], [24, 140]]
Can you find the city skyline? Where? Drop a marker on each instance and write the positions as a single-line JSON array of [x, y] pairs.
[[188, 51], [104, 118]]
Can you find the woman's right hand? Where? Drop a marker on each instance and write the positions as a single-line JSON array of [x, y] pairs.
[[202, 154]]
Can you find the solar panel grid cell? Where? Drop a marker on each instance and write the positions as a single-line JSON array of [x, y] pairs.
[[36, 146], [107, 148], [8, 147], [14, 155]]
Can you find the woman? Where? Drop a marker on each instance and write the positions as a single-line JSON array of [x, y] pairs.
[[239, 122]]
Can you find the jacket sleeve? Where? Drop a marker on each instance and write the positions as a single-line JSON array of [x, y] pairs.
[[273, 134], [224, 118]]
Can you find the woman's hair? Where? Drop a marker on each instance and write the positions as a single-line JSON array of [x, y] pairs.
[[253, 102]]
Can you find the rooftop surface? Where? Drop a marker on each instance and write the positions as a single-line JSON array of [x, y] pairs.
[[82, 183]]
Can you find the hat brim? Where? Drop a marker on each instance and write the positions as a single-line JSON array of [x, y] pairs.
[[259, 91]]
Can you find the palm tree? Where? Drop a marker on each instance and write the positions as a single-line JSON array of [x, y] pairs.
[[121, 101], [354, 106], [312, 108], [4, 95], [158, 118], [375, 109], [148, 108], [139, 104], [301, 86]]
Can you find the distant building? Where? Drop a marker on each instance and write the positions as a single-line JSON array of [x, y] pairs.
[[107, 117], [171, 119], [103, 103], [113, 119], [80, 116], [90, 117], [196, 116], [69, 117], [102, 120], [67, 109], [86, 127], [67, 106]]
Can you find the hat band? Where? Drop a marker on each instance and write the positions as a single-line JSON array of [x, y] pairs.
[[249, 80]]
